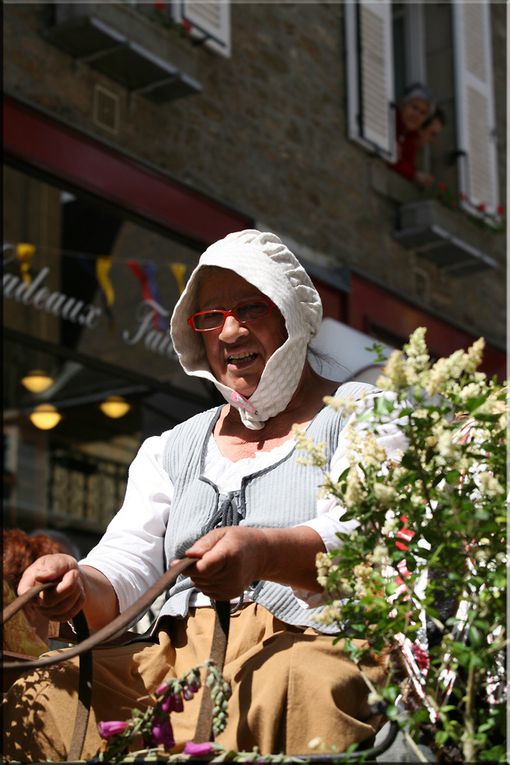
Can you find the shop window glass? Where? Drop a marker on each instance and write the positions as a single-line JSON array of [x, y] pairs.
[[85, 276], [88, 292]]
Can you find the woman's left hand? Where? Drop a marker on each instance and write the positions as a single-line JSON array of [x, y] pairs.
[[228, 561]]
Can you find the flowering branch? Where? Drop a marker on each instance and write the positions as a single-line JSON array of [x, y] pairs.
[[419, 576], [153, 728]]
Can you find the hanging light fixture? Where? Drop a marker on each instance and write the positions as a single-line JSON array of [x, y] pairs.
[[115, 407], [45, 416], [37, 381]]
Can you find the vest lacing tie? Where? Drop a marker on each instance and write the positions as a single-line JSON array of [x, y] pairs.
[[229, 515]]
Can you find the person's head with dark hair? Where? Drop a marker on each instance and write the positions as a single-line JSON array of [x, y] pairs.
[[20, 550], [432, 126]]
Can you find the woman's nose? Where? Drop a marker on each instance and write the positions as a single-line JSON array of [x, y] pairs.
[[232, 329]]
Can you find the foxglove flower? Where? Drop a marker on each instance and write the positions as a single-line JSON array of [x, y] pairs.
[[198, 749], [111, 728], [162, 734]]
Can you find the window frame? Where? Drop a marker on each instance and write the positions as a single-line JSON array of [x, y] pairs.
[[357, 97]]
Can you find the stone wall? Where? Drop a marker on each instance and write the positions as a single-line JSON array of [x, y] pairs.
[[267, 135]]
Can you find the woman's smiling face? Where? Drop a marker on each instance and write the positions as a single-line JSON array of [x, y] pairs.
[[238, 353]]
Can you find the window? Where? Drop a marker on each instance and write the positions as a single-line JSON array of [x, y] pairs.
[[409, 62], [370, 89], [88, 290], [206, 22], [446, 46], [476, 135]]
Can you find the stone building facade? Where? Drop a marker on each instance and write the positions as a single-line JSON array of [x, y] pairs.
[[261, 131]]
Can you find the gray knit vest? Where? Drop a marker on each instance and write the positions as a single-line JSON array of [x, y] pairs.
[[281, 495]]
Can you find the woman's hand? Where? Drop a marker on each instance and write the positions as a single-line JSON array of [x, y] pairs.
[[228, 561], [63, 601], [79, 588]]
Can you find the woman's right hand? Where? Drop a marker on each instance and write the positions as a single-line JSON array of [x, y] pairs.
[[67, 598]]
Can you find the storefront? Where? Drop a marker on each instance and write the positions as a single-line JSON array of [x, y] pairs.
[[96, 251], [97, 248]]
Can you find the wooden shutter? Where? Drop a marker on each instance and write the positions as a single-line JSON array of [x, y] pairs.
[[209, 20], [370, 91], [474, 96]]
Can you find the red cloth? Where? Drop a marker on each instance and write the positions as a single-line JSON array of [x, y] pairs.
[[407, 149]]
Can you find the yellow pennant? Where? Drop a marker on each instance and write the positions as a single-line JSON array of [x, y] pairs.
[[103, 266], [24, 253], [179, 272]]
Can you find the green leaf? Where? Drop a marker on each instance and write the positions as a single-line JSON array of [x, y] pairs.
[[441, 737], [473, 403], [408, 460], [452, 476], [474, 636]]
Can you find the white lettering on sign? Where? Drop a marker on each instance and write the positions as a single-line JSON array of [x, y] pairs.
[[55, 303], [37, 295], [153, 339]]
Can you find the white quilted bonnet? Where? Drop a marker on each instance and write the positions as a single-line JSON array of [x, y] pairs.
[[263, 260]]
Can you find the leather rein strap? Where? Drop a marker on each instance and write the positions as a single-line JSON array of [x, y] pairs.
[[106, 633], [118, 625], [203, 730]]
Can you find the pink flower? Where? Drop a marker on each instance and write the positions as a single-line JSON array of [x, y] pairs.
[[111, 728], [442, 186], [197, 749], [161, 689], [501, 210], [172, 703], [162, 733], [481, 207]]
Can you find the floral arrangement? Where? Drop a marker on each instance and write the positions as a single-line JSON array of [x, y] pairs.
[[152, 727], [422, 577], [148, 735]]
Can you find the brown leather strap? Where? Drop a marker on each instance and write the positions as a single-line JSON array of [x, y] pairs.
[[81, 720], [87, 642], [203, 731], [18, 603], [119, 624]]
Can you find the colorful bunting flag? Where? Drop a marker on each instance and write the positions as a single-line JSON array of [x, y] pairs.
[[146, 275], [24, 253]]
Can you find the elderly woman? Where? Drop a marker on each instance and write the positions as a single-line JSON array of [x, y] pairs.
[[225, 489], [413, 109]]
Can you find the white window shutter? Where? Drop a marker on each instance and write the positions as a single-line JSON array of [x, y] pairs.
[[209, 20], [476, 134], [370, 91]]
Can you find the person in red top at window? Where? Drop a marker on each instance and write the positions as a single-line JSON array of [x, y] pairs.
[[413, 108]]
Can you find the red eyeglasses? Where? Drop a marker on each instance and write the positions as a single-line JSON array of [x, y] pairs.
[[247, 310]]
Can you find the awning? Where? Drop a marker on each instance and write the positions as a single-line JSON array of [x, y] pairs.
[[344, 354]]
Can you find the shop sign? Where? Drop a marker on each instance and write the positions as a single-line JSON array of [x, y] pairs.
[[146, 326]]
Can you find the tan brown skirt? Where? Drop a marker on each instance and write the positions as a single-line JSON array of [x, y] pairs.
[[288, 686]]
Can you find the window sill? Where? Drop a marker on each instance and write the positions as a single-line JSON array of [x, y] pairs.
[[444, 237], [127, 47], [448, 238]]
